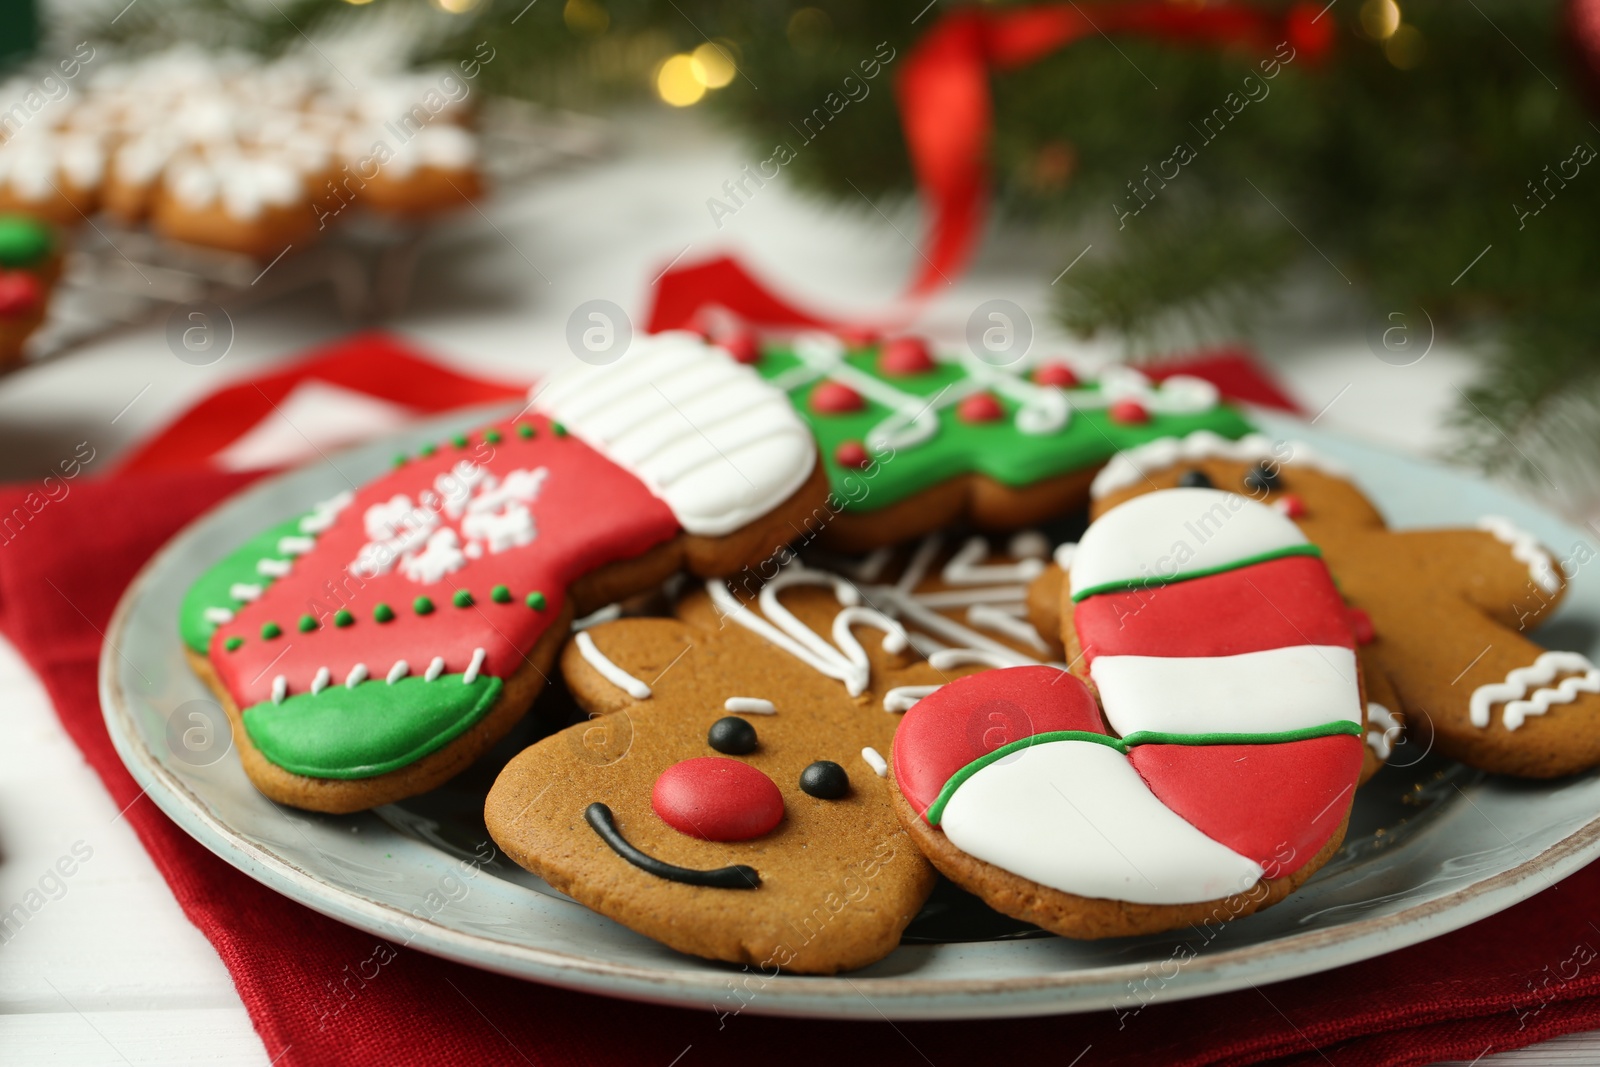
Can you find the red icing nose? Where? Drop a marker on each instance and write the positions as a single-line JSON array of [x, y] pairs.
[[717, 799]]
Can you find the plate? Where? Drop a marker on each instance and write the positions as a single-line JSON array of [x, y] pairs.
[[1432, 846]]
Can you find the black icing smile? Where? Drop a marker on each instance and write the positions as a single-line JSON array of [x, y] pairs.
[[738, 876]]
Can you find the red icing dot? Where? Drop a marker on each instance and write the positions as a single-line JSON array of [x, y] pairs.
[[1057, 374], [836, 398], [980, 407], [904, 356], [1361, 626], [717, 799], [20, 293], [1128, 411], [851, 455], [858, 337], [744, 346], [1291, 506]]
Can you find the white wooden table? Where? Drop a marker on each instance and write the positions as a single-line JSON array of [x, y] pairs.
[[111, 972]]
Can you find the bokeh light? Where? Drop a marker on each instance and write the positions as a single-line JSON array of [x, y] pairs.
[[676, 82]]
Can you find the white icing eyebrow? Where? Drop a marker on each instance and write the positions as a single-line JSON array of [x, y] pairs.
[[749, 706], [875, 760], [609, 670]]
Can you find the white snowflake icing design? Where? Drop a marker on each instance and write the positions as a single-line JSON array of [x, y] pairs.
[[468, 512]]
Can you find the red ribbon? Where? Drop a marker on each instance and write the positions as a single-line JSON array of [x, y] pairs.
[[947, 114]]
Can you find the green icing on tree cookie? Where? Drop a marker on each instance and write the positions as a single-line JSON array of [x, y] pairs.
[[24, 242], [214, 588], [371, 729], [912, 425]]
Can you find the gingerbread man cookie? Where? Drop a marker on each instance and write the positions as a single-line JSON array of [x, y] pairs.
[[1214, 775], [728, 800], [914, 443], [372, 648], [1449, 609]]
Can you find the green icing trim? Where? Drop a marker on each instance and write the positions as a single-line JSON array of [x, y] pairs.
[[371, 729], [211, 589], [524, 430], [24, 242], [462, 599], [1305, 733], [996, 449], [307, 623], [233, 644], [270, 630], [536, 601], [1156, 582], [422, 606], [382, 613], [459, 440], [342, 617], [500, 595], [494, 437], [936, 809], [1127, 744]]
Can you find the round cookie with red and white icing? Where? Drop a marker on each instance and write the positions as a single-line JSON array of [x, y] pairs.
[[1215, 771], [376, 645]]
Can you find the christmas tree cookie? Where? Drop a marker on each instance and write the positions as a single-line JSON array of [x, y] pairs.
[[913, 443], [373, 647], [1210, 769]]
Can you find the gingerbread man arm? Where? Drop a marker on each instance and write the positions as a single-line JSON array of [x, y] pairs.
[[1505, 574]]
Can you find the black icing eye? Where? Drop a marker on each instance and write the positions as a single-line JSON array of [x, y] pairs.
[[1194, 479], [825, 780], [732, 736], [1261, 479]]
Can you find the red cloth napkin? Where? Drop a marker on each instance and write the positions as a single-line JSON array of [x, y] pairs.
[[321, 993]]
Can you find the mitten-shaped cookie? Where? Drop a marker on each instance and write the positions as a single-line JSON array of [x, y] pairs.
[[1449, 610], [1214, 776], [374, 647], [728, 799]]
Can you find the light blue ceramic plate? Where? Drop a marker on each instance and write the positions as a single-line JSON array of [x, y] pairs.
[[1431, 847]]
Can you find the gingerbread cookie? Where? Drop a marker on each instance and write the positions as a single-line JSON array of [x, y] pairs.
[[914, 443], [1214, 775], [1449, 609], [728, 800], [374, 647]]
